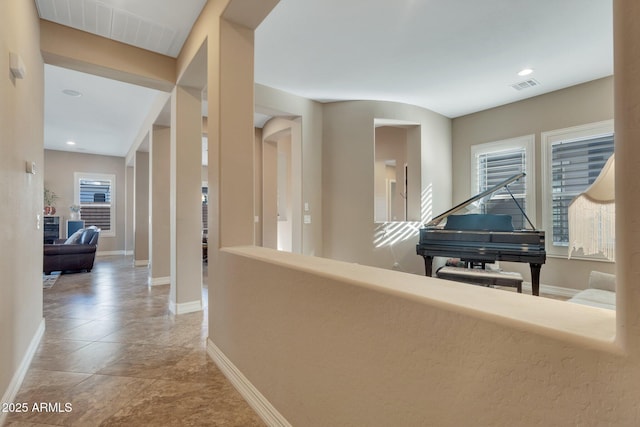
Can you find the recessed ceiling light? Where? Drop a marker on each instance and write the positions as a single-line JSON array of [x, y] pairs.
[[525, 72], [72, 92], [71, 143]]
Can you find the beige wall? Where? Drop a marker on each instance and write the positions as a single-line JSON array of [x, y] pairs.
[[59, 169], [371, 353], [21, 140], [346, 344], [79, 50], [350, 233], [309, 116], [577, 105]]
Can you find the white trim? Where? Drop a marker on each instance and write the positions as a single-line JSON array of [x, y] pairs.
[[251, 394], [109, 253], [185, 307], [528, 143], [156, 281], [551, 290], [16, 382], [128, 253], [141, 262], [591, 130], [581, 258]]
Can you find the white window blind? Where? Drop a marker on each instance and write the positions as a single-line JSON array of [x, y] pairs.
[[95, 199], [205, 208], [496, 166], [575, 165]]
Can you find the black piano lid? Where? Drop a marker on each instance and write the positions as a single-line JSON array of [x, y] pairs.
[[504, 184]]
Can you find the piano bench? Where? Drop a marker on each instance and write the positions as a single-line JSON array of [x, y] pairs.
[[480, 277]]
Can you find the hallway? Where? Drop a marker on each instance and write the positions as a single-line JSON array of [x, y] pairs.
[[112, 354]]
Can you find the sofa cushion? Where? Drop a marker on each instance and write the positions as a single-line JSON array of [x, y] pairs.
[[601, 292], [596, 298], [604, 281], [75, 237], [86, 236]]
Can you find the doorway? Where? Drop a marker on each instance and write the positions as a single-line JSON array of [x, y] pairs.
[[281, 190]]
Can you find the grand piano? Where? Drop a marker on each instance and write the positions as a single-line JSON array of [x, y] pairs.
[[483, 238]]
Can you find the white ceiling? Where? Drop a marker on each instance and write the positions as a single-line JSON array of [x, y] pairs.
[[454, 57], [159, 26], [104, 120]]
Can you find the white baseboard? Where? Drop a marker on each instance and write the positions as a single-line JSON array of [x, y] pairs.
[[551, 290], [155, 281], [141, 263], [185, 307], [252, 395], [109, 253], [127, 253], [16, 382]]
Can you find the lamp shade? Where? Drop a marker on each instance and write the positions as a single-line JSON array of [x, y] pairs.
[[592, 217]]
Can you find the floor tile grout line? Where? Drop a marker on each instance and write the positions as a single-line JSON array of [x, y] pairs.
[[184, 337]]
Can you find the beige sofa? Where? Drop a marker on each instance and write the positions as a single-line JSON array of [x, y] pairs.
[[601, 292]]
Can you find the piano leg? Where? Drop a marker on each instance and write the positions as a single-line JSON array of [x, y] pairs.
[[535, 278], [428, 262]]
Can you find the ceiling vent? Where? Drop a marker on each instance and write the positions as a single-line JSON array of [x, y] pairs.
[[525, 84]]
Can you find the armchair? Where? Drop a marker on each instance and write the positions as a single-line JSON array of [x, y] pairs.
[[77, 253]]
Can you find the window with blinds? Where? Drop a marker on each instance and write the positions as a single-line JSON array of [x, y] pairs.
[[205, 209], [494, 162], [95, 193], [575, 165], [495, 167]]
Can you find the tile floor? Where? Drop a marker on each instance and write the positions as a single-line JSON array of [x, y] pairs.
[[114, 355]]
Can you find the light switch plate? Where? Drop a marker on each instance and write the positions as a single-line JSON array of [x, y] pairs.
[[31, 167], [16, 66]]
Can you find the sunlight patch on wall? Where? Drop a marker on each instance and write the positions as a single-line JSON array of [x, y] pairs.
[[426, 204], [390, 233]]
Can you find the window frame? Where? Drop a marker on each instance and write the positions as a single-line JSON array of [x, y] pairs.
[[526, 142], [77, 176], [548, 138]]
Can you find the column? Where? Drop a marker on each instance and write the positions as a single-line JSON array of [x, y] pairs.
[[186, 200], [626, 38], [129, 203], [160, 213], [141, 209], [231, 139]]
